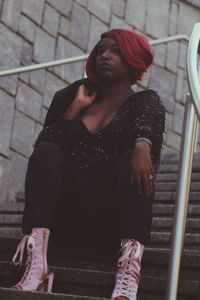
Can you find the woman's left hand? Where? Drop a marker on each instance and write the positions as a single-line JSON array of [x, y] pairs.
[[141, 169]]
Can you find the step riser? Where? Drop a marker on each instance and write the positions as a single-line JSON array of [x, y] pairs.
[[158, 223], [18, 295], [158, 238], [146, 285]]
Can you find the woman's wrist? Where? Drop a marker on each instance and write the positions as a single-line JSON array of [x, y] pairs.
[[141, 146], [144, 140], [72, 112]]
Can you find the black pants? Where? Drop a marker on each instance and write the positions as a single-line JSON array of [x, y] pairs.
[[95, 207]]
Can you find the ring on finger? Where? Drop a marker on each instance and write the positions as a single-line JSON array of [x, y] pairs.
[[151, 177]]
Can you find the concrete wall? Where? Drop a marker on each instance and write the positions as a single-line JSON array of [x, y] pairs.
[[37, 31]]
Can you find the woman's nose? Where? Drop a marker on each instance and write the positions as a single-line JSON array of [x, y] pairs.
[[106, 54]]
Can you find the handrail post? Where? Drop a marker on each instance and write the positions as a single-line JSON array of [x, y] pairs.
[[180, 215]]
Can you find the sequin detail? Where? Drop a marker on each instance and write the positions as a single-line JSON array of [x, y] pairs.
[[141, 115]]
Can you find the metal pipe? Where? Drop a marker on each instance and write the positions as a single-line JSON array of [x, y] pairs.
[[192, 68], [181, 206], [44, 65], [170, 39], [55, 63]]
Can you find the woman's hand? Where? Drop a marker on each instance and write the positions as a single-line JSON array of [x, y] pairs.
[[141, 169], [82, 100]]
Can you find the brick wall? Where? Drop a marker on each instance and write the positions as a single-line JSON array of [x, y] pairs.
[[37, 31]]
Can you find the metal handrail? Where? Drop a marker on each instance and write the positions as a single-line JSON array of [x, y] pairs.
[[64, 61], [188, 143], [44, 65], [192, 70]]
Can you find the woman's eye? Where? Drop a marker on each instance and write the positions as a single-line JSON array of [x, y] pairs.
[[116, 50], [100, 51]]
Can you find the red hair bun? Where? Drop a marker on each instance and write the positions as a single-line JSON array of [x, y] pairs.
[[135, 49]]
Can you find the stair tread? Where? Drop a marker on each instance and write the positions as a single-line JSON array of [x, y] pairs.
[[156, 284], [12, 294], [154, 256]]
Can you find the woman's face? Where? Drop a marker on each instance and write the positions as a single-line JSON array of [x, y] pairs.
[[110, 65]]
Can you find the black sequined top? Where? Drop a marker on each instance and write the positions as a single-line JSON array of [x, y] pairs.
[[141, 115]]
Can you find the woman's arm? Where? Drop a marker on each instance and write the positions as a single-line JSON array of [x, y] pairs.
[[82, 100], [54, 121], [65, 107], [149, 124], [61, 101]]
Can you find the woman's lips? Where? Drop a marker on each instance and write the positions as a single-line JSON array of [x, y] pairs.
[[104, 66]]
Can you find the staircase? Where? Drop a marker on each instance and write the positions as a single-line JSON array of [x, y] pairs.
[[91, 276]]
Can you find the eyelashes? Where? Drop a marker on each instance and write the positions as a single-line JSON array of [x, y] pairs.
[[114, 50]]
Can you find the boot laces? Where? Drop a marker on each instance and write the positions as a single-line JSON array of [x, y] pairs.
[[127, 249], [30, 241]]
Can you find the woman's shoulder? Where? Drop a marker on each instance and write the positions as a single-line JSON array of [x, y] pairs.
[[70, 88], [151, 97], [148, 93]]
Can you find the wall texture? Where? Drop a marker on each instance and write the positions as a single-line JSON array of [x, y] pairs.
[[37, 31]]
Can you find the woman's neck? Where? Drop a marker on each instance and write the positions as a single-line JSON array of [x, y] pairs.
[[117, 92]]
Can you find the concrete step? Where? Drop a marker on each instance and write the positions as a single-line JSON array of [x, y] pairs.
[[10, 219], [159, 222], [173, 167], [168, 209], [100, 261], [152, 256], [157, 236], [167, 223], [165, 237], [21, 295], [11, 207], [94, 282], [161, 197], [16, 209], [172, 186], [14, 232], [170, 196], [93, 276], [153, 259], [174, 176]]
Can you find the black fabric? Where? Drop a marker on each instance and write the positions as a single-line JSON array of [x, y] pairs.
[[140, 115], [78, 183], [86, 209]]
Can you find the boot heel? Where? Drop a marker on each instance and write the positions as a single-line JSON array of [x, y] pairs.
[[46, 286]]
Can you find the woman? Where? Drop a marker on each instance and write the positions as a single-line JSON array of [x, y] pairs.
[[90, 179]]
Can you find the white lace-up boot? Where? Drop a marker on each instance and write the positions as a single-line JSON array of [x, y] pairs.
[[128, 274], [37, 276]]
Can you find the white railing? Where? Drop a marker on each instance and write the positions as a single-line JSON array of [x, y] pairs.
[[83, 57], [187, 144]]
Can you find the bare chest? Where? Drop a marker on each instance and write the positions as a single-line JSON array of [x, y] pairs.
[[97, 117]]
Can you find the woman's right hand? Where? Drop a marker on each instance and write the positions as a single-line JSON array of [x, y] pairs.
[[82, 100]]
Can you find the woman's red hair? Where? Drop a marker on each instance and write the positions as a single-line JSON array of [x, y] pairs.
[[135, 50]]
